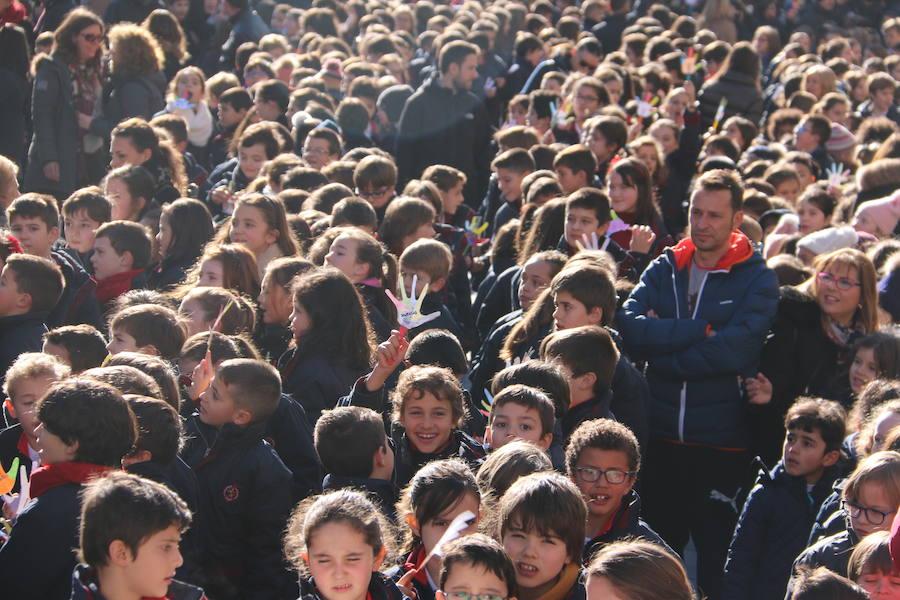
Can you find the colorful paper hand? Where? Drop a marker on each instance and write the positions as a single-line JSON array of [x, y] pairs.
[[474, 228], [646, 106], [836, 174], [8, 480], [408, 309], [184, 102], [688, 62], [589, 243]]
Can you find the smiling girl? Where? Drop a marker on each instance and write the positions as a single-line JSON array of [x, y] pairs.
[[186, 98], [260, 224]]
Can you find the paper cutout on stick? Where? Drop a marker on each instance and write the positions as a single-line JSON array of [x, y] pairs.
[[409, 308]]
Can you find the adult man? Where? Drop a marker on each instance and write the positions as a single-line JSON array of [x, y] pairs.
[[246, 26], [445, 123], [699, 317]]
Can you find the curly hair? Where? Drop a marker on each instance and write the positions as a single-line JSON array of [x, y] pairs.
[[134, 51]]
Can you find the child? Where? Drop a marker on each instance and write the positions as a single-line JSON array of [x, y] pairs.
[[185, 227], [130, 191], [233, 106], [520, 412], [81, 347], [134, 142], [786, 181], [575, 167], [871, 496], [29, 287], [603, 459], [437, 494], [606, 136], [810, 136], [321, 147], [161, 371], [476, 565], [339, 541], [148, 329], [258, 143], [83, 213], [375, 180], [260, 223], [274, 336], [405, 221], [881, 98], [334, 341], [372, 270], [511, 167], [813, 584], [428, 414], [540, 519], [638, 570], [121, 255], [815, 209], [271, 101], [872, 569], [202, 307], [27, 380], [187, 92], [505, 466], [429, 261], [450, 183], [354, 212], [874, 356], [229, 266], [588, 215], [355, 451], [588, 356], [37, 560], [245, 489], [779, 512]]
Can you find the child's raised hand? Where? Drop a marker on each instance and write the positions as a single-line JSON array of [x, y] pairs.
[[388, 357], [759, 389], [220, 195], [642, 238], [201, 377]]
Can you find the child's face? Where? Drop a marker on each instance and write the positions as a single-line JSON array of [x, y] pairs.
[[733, 132], [874, 497], [516, 422], [268, 110], [535, 278], [120, 341], [466, 578], [317, 152], [622, 197], [33, 234], [211, 273], [510, 184], [883, 98], [341, 561], [569, 312], [106, 261], [422, 279], [603, 498], [431, 531], [189, 87], [880, 585], [582, 221], [301, 322], [274, 302], [52, 448], [425, 231], [812, 218], [863, 369], [538, 558], [24, 403], [124, 152], [378, 197], [883, 427], [452, 198], [180, 9], [805, 455], [80, 230], [342, 256], [251, 159], [667, 139], [165, 235], [124, 206], [151, 571], [600, 147], [789, 190], [59, 352], [517, 114], [12, 301], [249, 228], [191, 314], [428, 422], [217, 405], [228, 116], [648, 155]]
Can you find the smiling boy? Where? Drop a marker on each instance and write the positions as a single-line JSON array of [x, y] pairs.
[[520, 412]]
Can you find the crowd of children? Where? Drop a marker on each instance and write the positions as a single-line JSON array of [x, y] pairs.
[[470, 300]]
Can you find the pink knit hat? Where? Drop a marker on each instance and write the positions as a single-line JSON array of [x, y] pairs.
[[841, 139], [878, 217]]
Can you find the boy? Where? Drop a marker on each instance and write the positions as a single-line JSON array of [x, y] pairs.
[[881, 98], [511, 167], [476, 565], [26, 381], [233, 106], [245, 489], [780, 510], [810, 136], [429, 262], [375, 178], [148, 329], [603, 459], [81, 347], [34, 221], [450, 183], [29, 287], [588, 357], [588, 215], [121, 254], [259, 143], [575, 167], [129, 536], [520, 412], [321, 147], [271, 101], [75, 445], [83, 213], [354, 449]]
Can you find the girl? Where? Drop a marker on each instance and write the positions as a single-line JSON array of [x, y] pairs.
[[273, 335], [130, 189], [438, 493], [338, 541], [333, 341], [135, 142], [649, 151], [873, 356], [200, 309], [185, 227], [874, 430], [873, 570], [260, 224], [166, 28], [815, 209], [506, 465], [428, 413], [637, 570], [372, 269], [228, 266], [187, 94], [405, 221]]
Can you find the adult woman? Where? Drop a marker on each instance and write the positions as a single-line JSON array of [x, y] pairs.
[[14, 59], [719, 16], [66, 86], [808, 351], [136, 86], [737, 82]]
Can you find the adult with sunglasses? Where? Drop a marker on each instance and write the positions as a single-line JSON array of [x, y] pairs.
[[66, 87], [808, 349]]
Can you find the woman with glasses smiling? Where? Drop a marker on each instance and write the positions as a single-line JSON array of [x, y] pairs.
[[808, 350]]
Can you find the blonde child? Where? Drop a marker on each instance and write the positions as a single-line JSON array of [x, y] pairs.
[[187, 93]]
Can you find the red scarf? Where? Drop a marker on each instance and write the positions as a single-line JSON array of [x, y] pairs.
[[22, 446], [50, 476], [413, 560], [114, 286]]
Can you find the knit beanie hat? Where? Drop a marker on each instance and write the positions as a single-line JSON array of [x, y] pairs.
[[841, 139], [393, 99], [883, 213], [828, 240]]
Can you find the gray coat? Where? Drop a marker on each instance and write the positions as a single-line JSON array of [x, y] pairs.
[[123, 97], [55, 129]]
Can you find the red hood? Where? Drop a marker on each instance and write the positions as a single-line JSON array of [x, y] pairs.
[[14, 13], [740, 249]]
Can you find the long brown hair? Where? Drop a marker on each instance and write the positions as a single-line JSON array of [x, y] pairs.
[[76, 21], [144, 137], [641, 570], [538, 316], [634, 174], [239, 271]]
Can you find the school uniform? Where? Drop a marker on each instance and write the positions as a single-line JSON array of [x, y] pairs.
[[594, 408], [408, 460], [18, 334], [382, 492], [421, 583], [168, 273], [625, 524], [433, 303], [501, 299], [115, 285], [86, 586], [380, 588], [78, 302], [272, 340], [832, 552], [317, 381]]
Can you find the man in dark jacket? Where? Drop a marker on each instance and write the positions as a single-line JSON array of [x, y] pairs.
[[609, 31], [246, 26], [444, 123], [699, 317]]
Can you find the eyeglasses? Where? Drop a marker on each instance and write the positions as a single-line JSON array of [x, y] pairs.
[[873, 516], [613, 476], [372, 193], [841, 283], [584, 98], [315, 151], [90, 37], [468, 596]]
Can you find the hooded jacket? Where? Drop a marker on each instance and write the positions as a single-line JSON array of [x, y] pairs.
[[696, 396], [78, 303], [744, 98]]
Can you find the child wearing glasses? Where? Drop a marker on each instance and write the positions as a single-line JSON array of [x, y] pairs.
[[870, 499], [475, 567], [776, 519], [375, 179], [603, 459]]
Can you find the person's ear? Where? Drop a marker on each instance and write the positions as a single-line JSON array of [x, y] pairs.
[[126, 260], [24, 300], [379, 558], [149, 349], [831, 458], [413, 523], [440, 595], [738, 219], [272, 236], [602, 229], [437, 285], [242, 417], [545, 442], [145, 155], [138, 457], [587, 381], [595, 315], [359, 270], [53, 234], [119, 553]]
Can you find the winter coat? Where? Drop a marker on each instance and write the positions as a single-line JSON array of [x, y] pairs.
[[315, 382], [502, 299], [78, 303], [54, 13], [408, 460], [594, 408], [85, 586], [694, 377], [432, 303], [771, 532], [442, 126], [20, 333], [380, 588], [127, 96], [745, 99], [132, 11], [167, 273], [833, 553], [381, 492], [625, 524], [15, 98], [609, 31], [246, 26], [487, 362]]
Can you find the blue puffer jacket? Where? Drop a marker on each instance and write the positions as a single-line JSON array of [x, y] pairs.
[[696, 396]]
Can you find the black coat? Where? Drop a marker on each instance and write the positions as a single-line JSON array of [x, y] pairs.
[[770, 533], [745, 99], [381, 492], [20, 333], [78, 303], [315, 382], [380, 588], [85, 586], [168, 273], [14, 97], [129, 96], [502, 299], [407, 460], [626, 524], [132, 11], [833, 553]]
